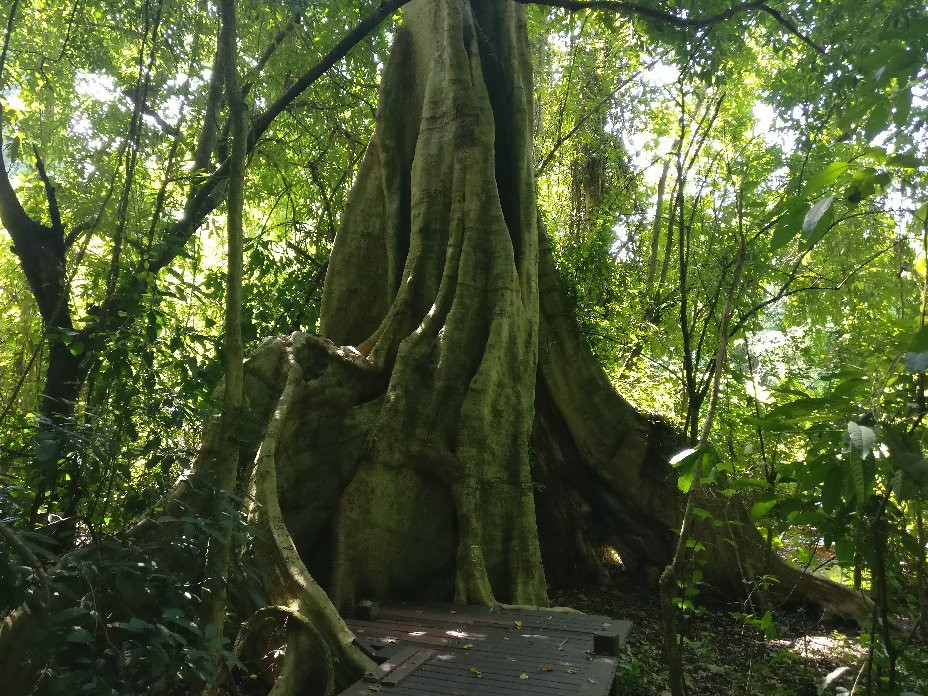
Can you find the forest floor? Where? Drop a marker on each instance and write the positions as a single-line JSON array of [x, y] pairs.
[[729, 655]]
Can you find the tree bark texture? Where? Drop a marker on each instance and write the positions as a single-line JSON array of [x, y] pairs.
[[452, 435]]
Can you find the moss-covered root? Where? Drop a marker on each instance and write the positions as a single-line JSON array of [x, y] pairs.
[[307, 657], [290, 585]]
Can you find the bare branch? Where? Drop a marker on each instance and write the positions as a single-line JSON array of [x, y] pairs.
[[350, 40], [787, 24], [642, 10], [53, 210]]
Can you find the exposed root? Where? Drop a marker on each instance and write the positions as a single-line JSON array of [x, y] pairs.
[[306, 656], [290, 584], [837, 601]]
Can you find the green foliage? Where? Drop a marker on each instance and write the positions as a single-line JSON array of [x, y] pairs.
[[123, 615]]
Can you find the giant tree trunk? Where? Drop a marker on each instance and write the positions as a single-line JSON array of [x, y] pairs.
[[463, 442]]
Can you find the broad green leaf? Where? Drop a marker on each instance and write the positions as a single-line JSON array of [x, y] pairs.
[[749, 483], [827, 176], [921, 215], [907, 160], [856, 465], [789, 225], [681, 458], [814, 217], [849, 387], [799, 411], [844, 550], [865, 183], [831, 490], [79, 635], [762, 507], [46, 450], [768, 625], [877, 121], [862, 438], [919, 341]]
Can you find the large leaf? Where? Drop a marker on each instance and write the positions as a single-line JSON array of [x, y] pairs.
[[862, 438], [903, 107], [844, 550], [683, 457], [760, 509], [827, 176], [877, 121], [789, 225], [816, 217]]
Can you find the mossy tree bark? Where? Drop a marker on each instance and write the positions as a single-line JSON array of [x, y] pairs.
[[463, 442]]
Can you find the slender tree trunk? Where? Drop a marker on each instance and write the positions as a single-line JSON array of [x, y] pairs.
[[225, 469]]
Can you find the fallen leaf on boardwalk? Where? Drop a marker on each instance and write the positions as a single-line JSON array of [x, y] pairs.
[[467, 646], [517, 623], [475, 671], [570, 670], [547, 668], [592, 681], [523, 676], [374, 687]]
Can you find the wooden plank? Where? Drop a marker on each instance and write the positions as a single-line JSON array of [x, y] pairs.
[[382, 670], [611, 643], [469, 615], [403, 670], [437, 644]]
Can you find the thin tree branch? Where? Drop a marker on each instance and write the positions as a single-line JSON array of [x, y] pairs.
[[6, 37], [587, 116], [53, 210], [787, 24], [642, 10], [207, 196], [349, 41], [265, 58]]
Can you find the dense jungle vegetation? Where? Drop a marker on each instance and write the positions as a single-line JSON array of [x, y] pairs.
[[304, 303]]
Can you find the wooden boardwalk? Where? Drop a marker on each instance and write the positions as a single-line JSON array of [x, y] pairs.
[[461, 650]]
